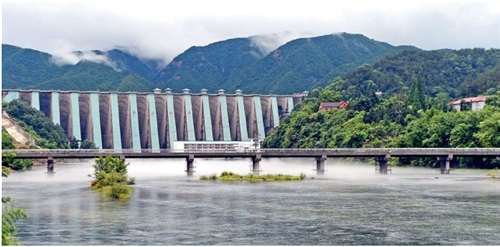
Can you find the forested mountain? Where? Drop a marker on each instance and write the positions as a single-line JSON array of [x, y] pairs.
[[210, 66], [307, 63], [357, 65], [441, 71], [124, 61], [487, 82], [24, 68], [31, 69], [299, 65]]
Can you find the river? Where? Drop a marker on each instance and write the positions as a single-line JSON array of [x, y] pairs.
[[350, 205]]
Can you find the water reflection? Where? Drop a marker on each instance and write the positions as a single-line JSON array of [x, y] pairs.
[[350, 205]]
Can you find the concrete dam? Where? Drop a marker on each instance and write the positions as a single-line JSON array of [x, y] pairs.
[[137, 120]]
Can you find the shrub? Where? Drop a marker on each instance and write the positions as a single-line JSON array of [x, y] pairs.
[[119, 191], [111, 178]]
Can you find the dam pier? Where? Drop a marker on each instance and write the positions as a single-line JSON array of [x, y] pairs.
[[138, 121]]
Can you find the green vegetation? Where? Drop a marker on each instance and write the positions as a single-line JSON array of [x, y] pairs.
[[30, 69], [40, 127], [232, 177], [10, 213], [7, 140], [110, 177], [231, 64], [451, 72], [391, 122], [296, 66], [10, 162]]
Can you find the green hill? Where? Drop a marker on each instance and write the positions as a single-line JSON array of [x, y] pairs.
[[208, 67], [299, 65], [31, 69], [24, 68], [441, 71]]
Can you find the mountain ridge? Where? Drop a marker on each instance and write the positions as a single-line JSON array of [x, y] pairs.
[[239, 63]]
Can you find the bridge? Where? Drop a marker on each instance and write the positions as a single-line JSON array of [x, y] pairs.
[[155, 120], [381, 155]]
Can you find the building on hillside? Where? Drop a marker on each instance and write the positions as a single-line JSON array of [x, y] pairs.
[[325, 106], [473, 103]]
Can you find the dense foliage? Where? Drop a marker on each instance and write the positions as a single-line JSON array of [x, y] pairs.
[[487, 82], [441, 71], [391, 122], [46, 133], [110, 177], [10, 213], [7, 140]]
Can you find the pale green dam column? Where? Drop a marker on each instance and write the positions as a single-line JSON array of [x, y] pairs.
[[75, 116], [96, 119], [12, 95], [35, 100], [56, 114], [153, 124], [115, 121], [290, 104], [189, 116], [172, 129], [276, 116], [243, 119], [206, 116], [225, 119], [260, 120], [134, 118]]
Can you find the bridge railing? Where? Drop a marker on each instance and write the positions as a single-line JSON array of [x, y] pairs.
[[386, 150], [353, 151]]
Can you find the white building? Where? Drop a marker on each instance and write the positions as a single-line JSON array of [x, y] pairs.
[[475, 103], [214, 146]]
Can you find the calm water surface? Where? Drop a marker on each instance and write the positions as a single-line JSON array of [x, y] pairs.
[[350, 205]]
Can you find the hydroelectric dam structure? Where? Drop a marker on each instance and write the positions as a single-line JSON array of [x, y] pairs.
[[155, 120]]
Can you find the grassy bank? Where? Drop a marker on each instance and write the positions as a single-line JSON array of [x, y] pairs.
[[232, 177]]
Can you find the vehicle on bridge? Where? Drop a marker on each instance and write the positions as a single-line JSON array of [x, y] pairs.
[[251, 145]]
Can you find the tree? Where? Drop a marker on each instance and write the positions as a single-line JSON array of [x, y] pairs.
[[489, 131], [86, 144], [329, 96], [110, 174], [73, 143], [416, 96], [10, 213]]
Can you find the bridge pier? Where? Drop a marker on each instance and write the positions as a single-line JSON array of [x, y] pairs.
[[445, 163], [50, 165], [320, 164], [382, 162], [190, 165], [256, 164]]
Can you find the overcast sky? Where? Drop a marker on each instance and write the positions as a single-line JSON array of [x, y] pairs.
[[164, 29]]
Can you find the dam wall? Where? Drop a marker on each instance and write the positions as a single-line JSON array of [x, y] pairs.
[[155, 120]]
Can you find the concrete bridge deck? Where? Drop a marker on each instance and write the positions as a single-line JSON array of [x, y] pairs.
[[264, 153], [382, 155]]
